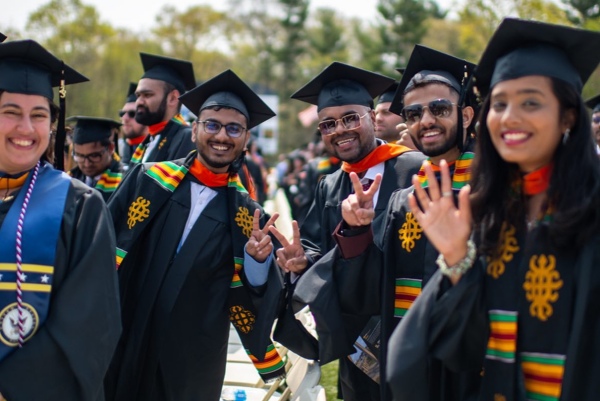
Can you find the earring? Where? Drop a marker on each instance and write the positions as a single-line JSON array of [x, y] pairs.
[[566, 136]]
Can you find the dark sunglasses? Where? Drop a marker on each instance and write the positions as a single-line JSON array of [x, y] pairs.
[[214, 127], [130, 113], [440, 108], [596, 120]]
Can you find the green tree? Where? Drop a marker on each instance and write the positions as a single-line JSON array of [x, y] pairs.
[[580, 12]]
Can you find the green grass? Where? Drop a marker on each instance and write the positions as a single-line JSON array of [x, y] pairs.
[[329, 379]]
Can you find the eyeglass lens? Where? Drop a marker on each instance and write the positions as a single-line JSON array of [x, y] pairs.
[[438, 108], [214, 127], [130, 113], [349, 122]]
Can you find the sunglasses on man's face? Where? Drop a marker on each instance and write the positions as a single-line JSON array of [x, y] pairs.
[[130, 113], [440, 108], [596, 120]]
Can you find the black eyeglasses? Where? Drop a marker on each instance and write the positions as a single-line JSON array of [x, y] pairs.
[[596, 120], [94, 157], [130, 113], [440, 108], [349, 122], [214, 127]]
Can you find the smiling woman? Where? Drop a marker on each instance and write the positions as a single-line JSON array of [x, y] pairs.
[[57, 253], [528, 305]]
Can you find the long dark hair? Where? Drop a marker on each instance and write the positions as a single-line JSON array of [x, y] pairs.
[[573, 194]]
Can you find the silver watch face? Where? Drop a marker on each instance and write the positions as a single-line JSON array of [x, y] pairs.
[[9, 319]]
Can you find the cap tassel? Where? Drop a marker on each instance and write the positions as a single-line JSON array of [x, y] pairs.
[[61, 133]]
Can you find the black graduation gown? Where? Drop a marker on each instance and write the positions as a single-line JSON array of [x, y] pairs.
[[450, 323], [314, 171], [174, 306], [175, 143], [316, 237], [68, 356], [114, 167]]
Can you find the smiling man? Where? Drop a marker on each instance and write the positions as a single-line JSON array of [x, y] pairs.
[[344, 98], [194, 255]]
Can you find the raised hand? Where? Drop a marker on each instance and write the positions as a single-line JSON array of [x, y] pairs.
[[259, 244], [358, 209], [291, 256], [448, 228]]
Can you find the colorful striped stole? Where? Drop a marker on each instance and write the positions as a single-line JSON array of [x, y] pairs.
[[502, 342], [109, 181], [543, 375], [461, 175], [407, 290]]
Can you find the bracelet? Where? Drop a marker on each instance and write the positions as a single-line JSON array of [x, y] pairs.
[[462, 266]]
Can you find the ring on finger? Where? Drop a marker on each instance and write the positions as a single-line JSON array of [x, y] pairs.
[[447, 193]]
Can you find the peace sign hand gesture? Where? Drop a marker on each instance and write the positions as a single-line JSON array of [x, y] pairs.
[[358, 209], [259, 244], [291, 256], [447, 227]]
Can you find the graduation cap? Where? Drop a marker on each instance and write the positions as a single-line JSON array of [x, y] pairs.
[[179, 73], [228, 90], [427, 65], [92, 129], [389, 93], [2, 37], [27, 68], [341, 84], [521, 48], [594, 104], [131, 97]]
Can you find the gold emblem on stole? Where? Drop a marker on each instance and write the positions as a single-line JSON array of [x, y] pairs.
[[138, 211], [244, 221], [242, 318], [541, 285], [508, 248], [410, 232]]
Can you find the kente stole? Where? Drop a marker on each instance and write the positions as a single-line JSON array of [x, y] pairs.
[[411, 249], [168, 176], [41, 228], [530, 292], [141, 148]]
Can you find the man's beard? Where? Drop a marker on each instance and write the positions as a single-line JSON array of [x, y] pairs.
[[449, 144], [146, 117]]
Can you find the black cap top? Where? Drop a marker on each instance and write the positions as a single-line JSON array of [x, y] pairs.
[[27, 68], [2, 37], [520, 48], [389, 93], [179, 73], [427, 65], [594, 104], [131, 97], [92, 129], [228, 90], [341, 84]]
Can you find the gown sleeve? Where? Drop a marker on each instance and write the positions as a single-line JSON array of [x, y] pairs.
[[68, 356], [446, 324]]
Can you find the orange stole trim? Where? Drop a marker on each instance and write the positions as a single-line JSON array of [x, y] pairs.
[[156, 128], [207, 177], [380, 154]]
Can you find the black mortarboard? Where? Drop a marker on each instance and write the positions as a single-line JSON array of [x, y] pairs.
[[427, 65], [2, 37], [341, 84], [520, 48], [92, 129], [131, 97], [228, 90], [594, 104], [26, 67], [179, 73], [389, 93]]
